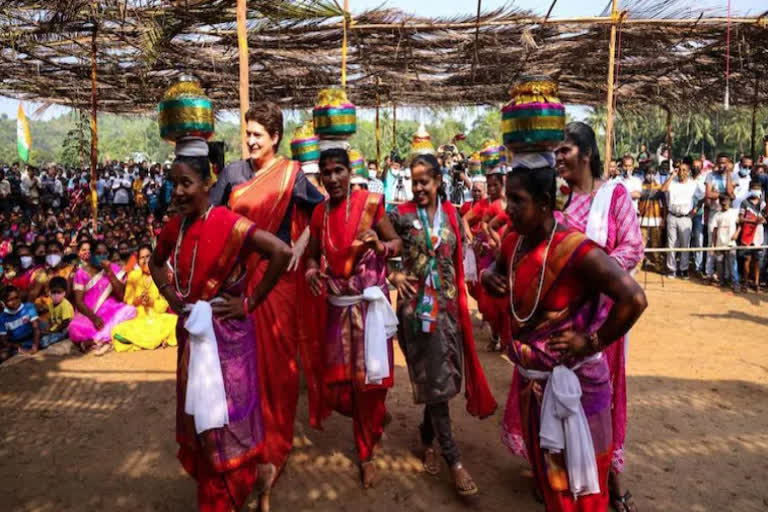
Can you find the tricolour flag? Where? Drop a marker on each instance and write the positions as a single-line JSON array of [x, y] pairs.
[[24, 141]]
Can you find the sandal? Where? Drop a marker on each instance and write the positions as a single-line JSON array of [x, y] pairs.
[[623, 503], [469, 487], [431, 462]]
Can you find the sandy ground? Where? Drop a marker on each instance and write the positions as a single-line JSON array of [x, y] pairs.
[[83, 433]]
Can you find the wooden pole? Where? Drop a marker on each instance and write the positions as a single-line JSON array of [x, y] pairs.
[[378, 128], [752, 147], [81, 137], [394, 125], [242, 52], [609, 100], [344, 27], [94, 125], [669, 137]]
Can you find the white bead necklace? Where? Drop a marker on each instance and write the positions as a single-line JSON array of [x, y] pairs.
[[185, 294], [541, 278]]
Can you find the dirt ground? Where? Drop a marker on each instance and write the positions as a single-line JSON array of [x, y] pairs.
[[82, 433]]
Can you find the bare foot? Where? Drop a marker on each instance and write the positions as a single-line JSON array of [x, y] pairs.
[[103, 349], [368, 474], [267, 473], [465, 486], [264, 501]]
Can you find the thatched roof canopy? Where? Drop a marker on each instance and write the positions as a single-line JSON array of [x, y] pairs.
[[669, 55]]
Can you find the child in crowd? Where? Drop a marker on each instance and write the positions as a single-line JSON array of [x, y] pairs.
[[726, 233], [60, 311], [752, 218], [19, 329]]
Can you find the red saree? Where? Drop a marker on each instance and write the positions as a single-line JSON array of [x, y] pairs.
[[480, 401], [222, 460], [351, 268], [564, 305], [265, 200]]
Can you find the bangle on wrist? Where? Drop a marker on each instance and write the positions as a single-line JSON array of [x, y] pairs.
[[310, 272], [246, 307]]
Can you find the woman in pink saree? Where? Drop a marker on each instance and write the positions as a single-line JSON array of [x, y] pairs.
[[603, 210], [99, 287]]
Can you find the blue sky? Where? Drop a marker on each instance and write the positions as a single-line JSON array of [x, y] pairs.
[[563, 8]]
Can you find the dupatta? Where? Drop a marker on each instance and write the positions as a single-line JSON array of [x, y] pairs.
[[480, 401]]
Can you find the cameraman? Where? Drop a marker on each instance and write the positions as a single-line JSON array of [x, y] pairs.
[[457, 181], [397, 181]]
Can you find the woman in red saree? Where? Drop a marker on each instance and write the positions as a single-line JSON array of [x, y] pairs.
[[355, 238], [553, 277], [208, 247], [274, 194], [476, 224], [435, 331]]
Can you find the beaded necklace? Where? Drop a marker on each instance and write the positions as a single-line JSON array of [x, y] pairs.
[[541, 278], [185, 294]]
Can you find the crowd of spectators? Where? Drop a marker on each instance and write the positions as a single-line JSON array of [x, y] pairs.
[[696, 203], [48, 236]]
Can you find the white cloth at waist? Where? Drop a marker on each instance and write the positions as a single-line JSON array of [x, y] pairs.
[[564, 425], [380, 325], [206, 398]]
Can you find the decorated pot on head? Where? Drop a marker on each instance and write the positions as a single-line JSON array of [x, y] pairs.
[[334, 118], [185, 111], [421, 143], [357, 168], [305, 148], [490, 157], [534, 120], [475, 168]]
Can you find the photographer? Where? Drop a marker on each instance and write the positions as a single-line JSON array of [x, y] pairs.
[[397, 181]]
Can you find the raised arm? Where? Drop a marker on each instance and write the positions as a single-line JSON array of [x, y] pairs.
[[600, 273]]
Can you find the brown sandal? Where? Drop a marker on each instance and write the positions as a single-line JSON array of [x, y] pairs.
[[431, 462], [470, 487], [624, 503]]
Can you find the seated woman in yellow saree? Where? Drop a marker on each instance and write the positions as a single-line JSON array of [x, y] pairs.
[[154, 325]]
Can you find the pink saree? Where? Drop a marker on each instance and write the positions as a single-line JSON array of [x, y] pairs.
[[624, 243], [98, 296]]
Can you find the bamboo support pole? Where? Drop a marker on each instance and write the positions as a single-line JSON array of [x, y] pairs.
[[81, 137], [344, 29], [378, 126], [242, 52], [528, 20], [669, 137], [609, 99], [394, 125], [94, 126], [752, 147], [534, 20]]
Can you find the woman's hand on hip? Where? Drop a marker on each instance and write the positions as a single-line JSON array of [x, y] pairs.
[[405, 285], [316, 281], [230, 308], [570, 343]]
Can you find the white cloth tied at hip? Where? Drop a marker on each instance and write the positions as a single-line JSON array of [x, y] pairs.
[[564, 425], [206, 398], [380, 325], [470, 266]]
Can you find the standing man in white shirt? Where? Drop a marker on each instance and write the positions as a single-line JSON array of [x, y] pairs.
[[683, 198], [740, 179]]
